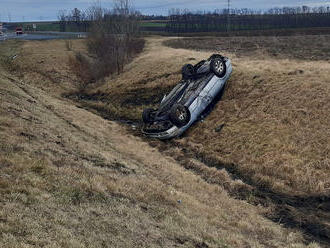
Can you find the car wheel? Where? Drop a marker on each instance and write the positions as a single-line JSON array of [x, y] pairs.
[[187, 71], [147, 115], [214, 56], [180, 115], [218, 67]]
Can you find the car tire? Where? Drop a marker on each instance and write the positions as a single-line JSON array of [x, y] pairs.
[[214, 56], [180, 115], [187, 71], [218, 67], [146, 115]]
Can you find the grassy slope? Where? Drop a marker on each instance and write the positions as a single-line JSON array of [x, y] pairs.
[[71, 179], [276, 116], [275, 111]]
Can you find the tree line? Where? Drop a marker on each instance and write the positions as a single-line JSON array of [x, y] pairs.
[[185, 21], [219, 20], [82, 20]]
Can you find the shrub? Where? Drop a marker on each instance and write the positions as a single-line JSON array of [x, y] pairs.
[[82, 69], [113, 41]]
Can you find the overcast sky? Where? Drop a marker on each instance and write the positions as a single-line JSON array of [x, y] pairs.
[[32, 10]]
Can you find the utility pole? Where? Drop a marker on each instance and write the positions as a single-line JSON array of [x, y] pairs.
[[9, 16], [228, 17]]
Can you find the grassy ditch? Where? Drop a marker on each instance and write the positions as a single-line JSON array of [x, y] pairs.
[[125, 105], [72, 179], [274, 118], [274, 114]]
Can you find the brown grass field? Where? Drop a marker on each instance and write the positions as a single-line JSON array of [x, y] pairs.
[[70, 178], [276, 113], [300, 47]]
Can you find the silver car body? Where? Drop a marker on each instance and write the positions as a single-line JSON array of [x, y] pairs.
[[201, 102]]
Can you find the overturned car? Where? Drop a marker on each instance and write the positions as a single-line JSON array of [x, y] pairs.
[[178, 110]]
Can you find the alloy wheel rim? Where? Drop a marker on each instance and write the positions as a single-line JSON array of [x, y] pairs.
[[181, 115], [219, 66]]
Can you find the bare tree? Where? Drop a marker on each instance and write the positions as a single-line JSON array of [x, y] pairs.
[[76, 15], [61, 16], [113, 39]]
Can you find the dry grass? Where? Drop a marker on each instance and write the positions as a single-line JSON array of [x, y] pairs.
[[276, 123], [304, 47], [47, 62], [275, 111], [72, 179]]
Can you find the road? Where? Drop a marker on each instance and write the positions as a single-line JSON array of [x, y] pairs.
[[42, 36]]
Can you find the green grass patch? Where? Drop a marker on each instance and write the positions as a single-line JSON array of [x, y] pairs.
[[153, 24]]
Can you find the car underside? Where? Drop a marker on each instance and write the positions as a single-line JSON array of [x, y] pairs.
[[187, 99]]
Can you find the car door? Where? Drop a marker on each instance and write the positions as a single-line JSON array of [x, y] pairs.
[[203, 100]]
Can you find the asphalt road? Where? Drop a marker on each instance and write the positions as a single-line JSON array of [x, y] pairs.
[[42, 36]]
